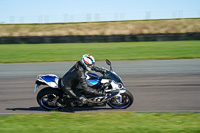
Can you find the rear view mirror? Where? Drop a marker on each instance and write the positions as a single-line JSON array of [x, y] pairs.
[[108, 62]]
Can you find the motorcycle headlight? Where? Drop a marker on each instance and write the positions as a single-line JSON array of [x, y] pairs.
[[120, 85]]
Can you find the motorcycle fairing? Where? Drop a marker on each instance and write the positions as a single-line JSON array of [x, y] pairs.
[[49, 79], [92, 76], [119, 88], [52, 81], [93, 82]]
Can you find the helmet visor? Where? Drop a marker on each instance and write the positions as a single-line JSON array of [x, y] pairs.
[[90, 65]]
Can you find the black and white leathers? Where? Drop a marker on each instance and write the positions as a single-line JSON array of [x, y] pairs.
[[76, 75]]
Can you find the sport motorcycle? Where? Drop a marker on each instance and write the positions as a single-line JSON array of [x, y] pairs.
[[116, 95]]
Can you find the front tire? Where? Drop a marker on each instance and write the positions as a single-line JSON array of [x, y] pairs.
[[123, 101], [47, 98]]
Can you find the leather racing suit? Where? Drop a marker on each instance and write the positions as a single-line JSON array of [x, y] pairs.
[[76, 75]]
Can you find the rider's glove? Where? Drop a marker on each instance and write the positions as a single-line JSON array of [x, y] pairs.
[[103, 70], [98, 69]]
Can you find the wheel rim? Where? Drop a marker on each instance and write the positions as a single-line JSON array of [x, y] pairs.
[[120, 102], [48, 101]]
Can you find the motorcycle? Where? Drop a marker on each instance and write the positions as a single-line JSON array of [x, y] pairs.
[[116, 95]]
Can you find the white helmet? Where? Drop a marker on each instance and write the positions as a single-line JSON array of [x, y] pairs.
[[87, 60]]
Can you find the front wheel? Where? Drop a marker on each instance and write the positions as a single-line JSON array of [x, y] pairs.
[[47, 98], [121, 101]]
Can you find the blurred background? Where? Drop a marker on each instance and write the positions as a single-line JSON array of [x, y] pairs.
[[98, 21], [96, 17], [65, 11]]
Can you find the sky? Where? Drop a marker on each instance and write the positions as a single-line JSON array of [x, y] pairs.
[[42, 11]]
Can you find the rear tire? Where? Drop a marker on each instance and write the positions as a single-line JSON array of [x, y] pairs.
[[46, 98], [125, 102]]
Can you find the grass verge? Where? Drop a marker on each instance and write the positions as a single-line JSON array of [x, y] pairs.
[[102, 122], [14, 53]]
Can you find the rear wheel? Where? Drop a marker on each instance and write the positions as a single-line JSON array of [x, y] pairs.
[[121, 101], [47, 98]]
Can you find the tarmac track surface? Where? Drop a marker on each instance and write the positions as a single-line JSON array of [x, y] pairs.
[[157, 85]]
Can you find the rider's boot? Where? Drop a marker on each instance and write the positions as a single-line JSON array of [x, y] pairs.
[[80, 98], [61, 103], [69, 105]]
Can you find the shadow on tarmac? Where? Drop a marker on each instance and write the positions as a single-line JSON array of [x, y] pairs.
[[75, 109], [26, 109]]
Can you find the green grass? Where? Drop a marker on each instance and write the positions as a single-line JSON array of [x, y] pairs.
[[102, 123], [12, 53]]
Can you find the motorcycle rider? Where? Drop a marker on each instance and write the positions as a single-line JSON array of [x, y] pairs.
[[76, 75]]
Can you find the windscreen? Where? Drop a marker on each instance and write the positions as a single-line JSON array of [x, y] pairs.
[[112, 76]]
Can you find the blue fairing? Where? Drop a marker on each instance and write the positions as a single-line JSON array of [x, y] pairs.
[[93, 75], [49, 78], [93, 82]]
